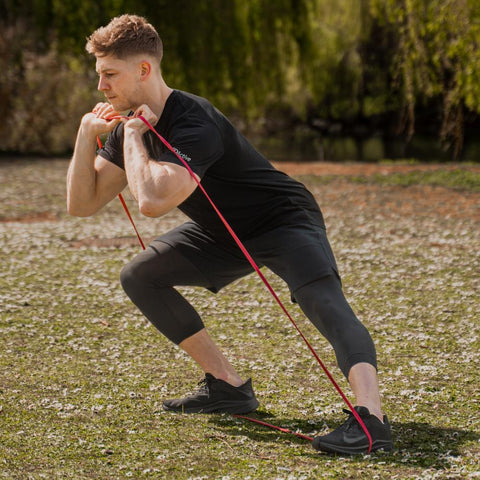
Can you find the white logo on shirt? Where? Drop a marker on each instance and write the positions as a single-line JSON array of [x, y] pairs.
[[182, 155]]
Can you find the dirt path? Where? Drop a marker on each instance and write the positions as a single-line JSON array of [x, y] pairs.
[[418, 200], [44, 184], [364, 169]]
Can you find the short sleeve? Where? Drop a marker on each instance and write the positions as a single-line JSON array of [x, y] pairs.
[[113, 148], [200, 146]]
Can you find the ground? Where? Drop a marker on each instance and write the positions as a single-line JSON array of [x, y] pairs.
[[83, 375], [423, 199]]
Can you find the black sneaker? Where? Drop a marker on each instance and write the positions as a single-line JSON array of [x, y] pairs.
[[216, 396], [350, 438]]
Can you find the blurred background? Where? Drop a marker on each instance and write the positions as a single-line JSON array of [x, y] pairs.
[[341, 80]]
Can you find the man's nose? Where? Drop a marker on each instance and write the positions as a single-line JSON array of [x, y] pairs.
[[102, 85]]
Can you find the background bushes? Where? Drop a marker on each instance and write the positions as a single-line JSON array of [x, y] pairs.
[[355, 66]]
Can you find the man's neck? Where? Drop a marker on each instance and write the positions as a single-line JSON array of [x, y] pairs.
[[157, 99]]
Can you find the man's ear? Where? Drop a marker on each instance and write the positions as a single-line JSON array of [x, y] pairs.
[[145, 69]]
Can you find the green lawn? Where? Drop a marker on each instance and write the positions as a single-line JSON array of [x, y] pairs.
[[83, 375]]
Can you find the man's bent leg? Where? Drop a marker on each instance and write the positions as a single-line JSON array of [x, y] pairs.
[[149, 281], [205, 352], [222, 390]]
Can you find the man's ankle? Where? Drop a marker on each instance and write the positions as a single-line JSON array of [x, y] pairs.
[[232, 379], [375, 411]]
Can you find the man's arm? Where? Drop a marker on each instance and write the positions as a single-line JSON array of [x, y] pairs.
[[158, 187], [92, 181]]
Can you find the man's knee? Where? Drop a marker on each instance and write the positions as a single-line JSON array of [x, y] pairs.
[[137, 274], [319, 298], [128, 277]]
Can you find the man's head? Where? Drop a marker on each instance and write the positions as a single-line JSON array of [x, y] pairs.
[[128, 52], [125, 36]]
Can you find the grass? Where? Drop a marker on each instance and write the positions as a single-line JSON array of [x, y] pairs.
[[458, 179], [461, 179], [83, 375]]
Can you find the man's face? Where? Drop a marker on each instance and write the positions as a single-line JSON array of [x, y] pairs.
[[119, 80]]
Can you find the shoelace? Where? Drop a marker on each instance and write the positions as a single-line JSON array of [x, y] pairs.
[[351, 420], [265, 281], [202, 387]]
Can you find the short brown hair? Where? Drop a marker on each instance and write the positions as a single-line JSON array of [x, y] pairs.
[[124, 36]]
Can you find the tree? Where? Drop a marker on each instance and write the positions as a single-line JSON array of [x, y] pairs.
[[266, 62], [436, 56]]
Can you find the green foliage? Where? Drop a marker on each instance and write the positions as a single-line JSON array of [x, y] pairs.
[[285, 61], [437, 55]]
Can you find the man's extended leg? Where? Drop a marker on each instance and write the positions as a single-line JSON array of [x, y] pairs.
[[364, 383], [325, 305]]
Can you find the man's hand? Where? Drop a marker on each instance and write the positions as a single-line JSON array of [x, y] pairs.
[[100, 120], [137, 124], [93, 181]]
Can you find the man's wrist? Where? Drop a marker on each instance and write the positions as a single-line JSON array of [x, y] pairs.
[[133, 131], [87, 130]]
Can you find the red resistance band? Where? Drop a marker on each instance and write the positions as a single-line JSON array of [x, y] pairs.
[[267, 284]]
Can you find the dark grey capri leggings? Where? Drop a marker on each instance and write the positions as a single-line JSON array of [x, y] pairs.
[[187, 256]]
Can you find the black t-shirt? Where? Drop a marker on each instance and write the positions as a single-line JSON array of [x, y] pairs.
[[251, 194]]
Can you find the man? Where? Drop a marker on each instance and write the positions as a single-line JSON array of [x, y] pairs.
[[275, 216]]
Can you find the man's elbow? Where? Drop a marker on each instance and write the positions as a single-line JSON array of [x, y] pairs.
[[79, 210], [152, 209]]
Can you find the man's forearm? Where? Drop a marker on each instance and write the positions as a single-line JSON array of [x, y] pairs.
[[157, 186], [145, 180], [81, 177], [136, 161]]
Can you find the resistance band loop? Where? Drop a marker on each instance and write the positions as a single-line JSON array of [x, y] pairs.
[[120, 196], [284, 430], [267, 284]]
